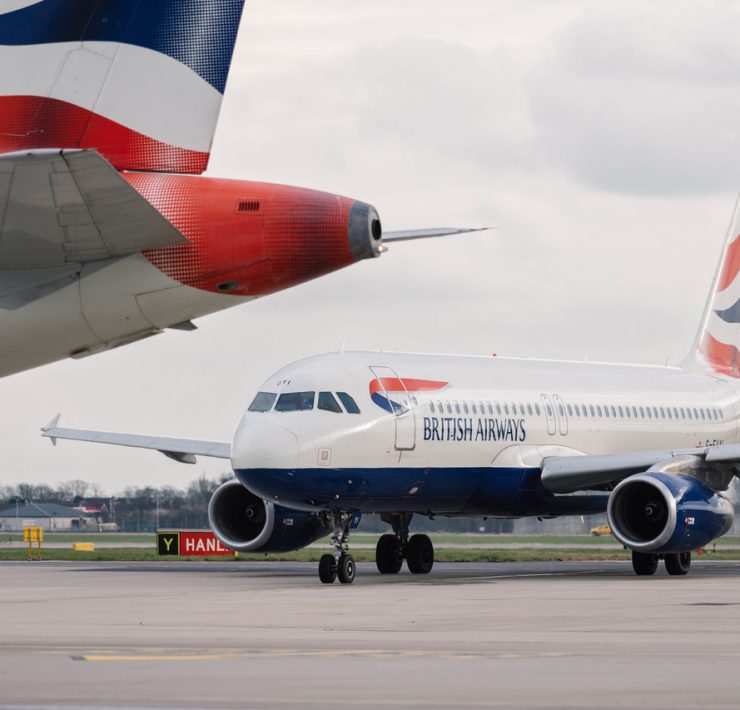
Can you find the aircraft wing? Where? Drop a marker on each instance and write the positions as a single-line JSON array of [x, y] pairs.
[[61, 207], [408, 234], [567, 474], [182, 450]]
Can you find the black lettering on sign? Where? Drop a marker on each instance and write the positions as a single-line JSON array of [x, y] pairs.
[[168, 543]]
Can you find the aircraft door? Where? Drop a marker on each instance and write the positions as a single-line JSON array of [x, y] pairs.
[[549, 414], [397, 400], [561, 414]]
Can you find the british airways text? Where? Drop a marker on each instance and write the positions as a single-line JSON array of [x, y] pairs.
[[469, 429]]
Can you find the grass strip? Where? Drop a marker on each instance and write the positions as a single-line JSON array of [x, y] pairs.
[[442, 555]]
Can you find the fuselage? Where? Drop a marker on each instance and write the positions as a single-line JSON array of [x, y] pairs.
[[244, 240], [458, 435]]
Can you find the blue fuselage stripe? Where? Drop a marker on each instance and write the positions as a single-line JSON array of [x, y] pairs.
[[450, 491]]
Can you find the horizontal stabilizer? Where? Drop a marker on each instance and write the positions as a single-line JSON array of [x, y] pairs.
[[64, 207], [409, 234], [182, 450]]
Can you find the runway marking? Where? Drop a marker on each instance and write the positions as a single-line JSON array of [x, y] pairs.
[[311, 653]]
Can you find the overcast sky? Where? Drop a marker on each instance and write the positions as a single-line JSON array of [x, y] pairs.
[[601, 138]]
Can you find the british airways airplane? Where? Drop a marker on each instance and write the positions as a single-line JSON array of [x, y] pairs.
[[337, 435], [107, 233]]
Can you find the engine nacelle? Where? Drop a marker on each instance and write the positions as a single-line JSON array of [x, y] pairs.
[[246, 523], [664, 512]]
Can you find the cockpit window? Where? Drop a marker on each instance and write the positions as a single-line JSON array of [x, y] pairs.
[[262, 402], [294, 401], [349, 404], [328, 403]]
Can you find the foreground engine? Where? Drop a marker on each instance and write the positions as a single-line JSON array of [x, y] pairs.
[[667, 513], [246, 523]]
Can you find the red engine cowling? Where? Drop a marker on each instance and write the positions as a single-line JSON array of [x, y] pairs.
[[246, 523], [253, 238]]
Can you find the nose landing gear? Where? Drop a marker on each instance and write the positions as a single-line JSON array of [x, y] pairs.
[[392, 550], [340, 565]]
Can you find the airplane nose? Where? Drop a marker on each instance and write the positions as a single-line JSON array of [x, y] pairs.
[[262, 445], [364, 231]]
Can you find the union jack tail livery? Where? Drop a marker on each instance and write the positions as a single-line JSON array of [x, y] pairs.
[[719, 339], [141, 82]]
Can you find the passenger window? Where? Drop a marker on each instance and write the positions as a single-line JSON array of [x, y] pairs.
[[614, 411], [701, 412], [621, 412], [549, 410], [606, 411], [498, 408], [328, 403], [578, 410], [688, 412], [457, 407], [561, 410], [431, 407], [506, 409], [490, 409], [627, 412], [262, 402], [529, 408], [537, 408], [294, 401], [634, 412], [598, 409], [649, 413], [449, 408], [642, 413], [668, 411], [475, 409], [465, 408], [593, 413]]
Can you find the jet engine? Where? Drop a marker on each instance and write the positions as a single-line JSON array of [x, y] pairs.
[[246, 523], [667, 513]]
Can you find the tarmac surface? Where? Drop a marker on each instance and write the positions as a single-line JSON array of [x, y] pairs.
[[269, 635]]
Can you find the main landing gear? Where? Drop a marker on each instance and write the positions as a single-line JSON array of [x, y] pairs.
[[340, 565], [393, 549], [676, 563]]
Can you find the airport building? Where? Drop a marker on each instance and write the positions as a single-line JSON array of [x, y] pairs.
[[49, 516]]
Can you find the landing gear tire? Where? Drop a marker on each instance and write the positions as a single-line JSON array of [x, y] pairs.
[[388, 555], [420, 554], [644, 563], [327, 569], [678, 563], [346, 569]]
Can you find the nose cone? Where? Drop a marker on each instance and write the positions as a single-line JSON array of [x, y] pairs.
[[364, 231], [260, 445]]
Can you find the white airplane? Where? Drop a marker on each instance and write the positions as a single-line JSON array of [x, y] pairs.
[[335, 435], [108, 234]]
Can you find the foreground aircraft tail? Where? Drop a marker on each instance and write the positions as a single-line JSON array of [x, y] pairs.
[[141, 81], [718, 341]]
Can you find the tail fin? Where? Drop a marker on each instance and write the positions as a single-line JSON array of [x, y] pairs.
[[141, 81], [718, 342]]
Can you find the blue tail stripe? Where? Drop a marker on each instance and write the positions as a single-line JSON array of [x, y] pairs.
[[198, 33], [730, 315]]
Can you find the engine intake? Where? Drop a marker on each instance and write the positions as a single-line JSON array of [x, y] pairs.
[[664, 512], [246, 523]]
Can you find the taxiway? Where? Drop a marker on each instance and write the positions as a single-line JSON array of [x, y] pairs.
[[539, 635]]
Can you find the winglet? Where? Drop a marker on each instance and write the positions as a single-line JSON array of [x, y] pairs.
[[51, 425]]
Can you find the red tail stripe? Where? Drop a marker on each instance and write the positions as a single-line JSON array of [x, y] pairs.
[[732, 265], [64, 125], [723, 358]]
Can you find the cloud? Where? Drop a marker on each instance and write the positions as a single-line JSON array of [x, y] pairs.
[[643, 98]]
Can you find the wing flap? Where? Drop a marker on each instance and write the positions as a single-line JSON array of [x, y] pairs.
[[182, 450], [62, 207]]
